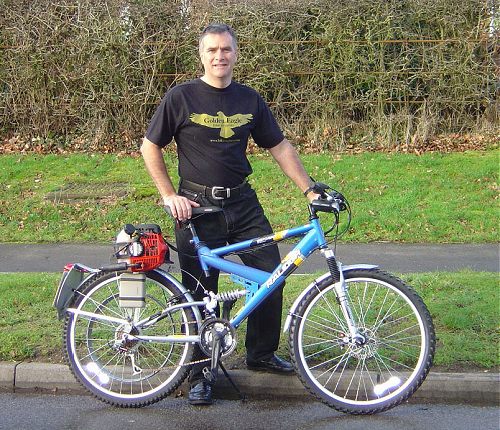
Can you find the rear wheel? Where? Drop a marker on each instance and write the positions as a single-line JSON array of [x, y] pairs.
[[132, 373], [385, 366]]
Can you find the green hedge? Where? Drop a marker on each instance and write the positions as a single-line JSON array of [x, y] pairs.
[[88, 74]]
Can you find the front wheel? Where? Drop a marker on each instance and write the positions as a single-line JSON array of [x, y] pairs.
[[385, 365], [133, 373]]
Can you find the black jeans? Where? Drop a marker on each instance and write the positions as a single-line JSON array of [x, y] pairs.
[[243, 218]]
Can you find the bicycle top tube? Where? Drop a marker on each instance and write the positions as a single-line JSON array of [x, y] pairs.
[[268, 282], [251, 243], [209, 256]]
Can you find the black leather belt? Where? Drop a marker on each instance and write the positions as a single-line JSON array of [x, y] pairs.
[[216, 193]]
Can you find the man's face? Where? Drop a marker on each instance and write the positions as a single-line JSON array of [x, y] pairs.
[[218, 56]]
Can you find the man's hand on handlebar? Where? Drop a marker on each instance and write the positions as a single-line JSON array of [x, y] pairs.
[[180, 206], [313, 196], [316, 191], [322, 192]]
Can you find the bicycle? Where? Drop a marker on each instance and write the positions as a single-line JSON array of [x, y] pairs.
[[360, 339]]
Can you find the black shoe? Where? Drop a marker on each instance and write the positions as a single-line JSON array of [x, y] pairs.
[[200, 394], [273, 364]]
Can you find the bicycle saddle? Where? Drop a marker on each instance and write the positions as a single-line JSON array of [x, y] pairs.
[[203, 210]]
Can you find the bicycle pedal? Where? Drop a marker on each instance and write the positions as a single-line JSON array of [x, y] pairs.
[[209, 375]]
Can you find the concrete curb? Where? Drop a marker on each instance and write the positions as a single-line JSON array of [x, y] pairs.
[[478, 388]]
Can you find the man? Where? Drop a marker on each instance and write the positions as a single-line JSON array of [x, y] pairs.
[[211, 119]]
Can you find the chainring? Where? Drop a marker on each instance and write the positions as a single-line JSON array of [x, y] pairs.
[[221, 326]]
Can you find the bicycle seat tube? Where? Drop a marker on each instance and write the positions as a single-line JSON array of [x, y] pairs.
[[200, 247]]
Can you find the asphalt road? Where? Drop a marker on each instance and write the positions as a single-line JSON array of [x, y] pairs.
[[396, 258], [50, 412]]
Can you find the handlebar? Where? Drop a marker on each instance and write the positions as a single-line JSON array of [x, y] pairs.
[[331, 200]]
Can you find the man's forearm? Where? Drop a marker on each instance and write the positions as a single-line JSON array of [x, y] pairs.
[[289, 161], [153, 158], [155, 164]]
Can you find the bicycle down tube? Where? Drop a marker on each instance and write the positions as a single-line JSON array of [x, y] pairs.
[[268, 282]]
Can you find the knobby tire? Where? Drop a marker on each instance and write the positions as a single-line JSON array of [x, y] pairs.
[[384, 371], [92, 351]]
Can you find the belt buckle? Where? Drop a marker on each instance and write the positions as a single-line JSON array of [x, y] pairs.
[[215, 189]]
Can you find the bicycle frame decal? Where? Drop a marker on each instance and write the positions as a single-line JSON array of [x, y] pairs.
[[288, 265], [269, 282]]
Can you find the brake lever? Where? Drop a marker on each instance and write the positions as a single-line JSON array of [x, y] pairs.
[[320, 188], [340, 199]]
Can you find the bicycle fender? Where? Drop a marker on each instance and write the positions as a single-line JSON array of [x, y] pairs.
[[317, 281], [184, 291], [71, 281]]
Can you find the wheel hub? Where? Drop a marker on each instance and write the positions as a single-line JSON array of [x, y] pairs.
[[122, 342], [365, 346]]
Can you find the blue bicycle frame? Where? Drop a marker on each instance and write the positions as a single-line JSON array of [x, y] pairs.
[[258, 283]]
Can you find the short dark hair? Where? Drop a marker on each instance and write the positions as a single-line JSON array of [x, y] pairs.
[[218, 29]]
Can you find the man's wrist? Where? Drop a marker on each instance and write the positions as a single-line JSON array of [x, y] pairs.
[[308, 190], [166, 197]]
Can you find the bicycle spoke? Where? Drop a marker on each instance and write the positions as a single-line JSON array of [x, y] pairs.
[[387, 360], [332, 311], [323, 326], [110, 359], [358, 374]]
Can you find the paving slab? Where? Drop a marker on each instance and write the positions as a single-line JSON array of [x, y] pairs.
[[45, 376]]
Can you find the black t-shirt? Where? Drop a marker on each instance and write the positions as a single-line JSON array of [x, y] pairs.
[[211, 127]]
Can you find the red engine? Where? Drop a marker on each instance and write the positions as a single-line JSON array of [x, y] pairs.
[[142, 246]]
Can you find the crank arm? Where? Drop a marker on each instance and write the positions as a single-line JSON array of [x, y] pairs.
[[214, 362]]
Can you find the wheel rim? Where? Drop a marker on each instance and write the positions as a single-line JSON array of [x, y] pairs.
[[378, 370], [110, 369]]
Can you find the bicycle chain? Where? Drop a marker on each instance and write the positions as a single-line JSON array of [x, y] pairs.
[[197, 361]]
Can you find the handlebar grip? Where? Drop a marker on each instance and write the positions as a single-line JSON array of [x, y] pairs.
[[119, 267], [322, 205], [129, 229]]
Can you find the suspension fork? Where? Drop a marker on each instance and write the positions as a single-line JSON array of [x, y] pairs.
[[342, 296]]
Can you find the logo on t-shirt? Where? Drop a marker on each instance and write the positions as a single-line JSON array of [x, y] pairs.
[[225, 123]]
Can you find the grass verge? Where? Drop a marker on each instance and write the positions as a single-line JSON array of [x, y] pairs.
[[464, 306], [395, 197]]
